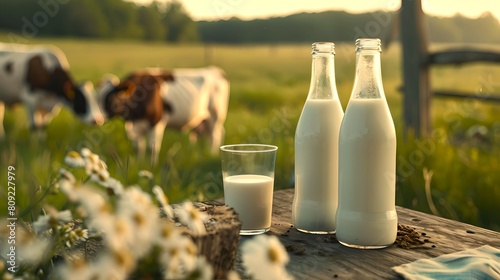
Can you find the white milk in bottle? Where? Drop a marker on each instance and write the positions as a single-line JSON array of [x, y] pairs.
[[366, 215], [316, 148]]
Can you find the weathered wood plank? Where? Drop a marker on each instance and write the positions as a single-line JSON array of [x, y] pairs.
[[414, 39], [491, 97], [322, 257], [463, 56], [417, 60]]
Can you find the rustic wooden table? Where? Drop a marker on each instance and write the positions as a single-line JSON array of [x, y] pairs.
[[323, 257]]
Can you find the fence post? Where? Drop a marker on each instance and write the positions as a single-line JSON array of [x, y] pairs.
[[415, 68]]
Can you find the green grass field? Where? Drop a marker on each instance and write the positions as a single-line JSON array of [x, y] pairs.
[[269, 85]]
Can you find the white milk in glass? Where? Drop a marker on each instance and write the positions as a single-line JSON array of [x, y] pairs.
[[367, 181], [316, 166], [252, 197]]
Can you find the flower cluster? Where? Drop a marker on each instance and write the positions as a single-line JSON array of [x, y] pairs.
[[125, 221]]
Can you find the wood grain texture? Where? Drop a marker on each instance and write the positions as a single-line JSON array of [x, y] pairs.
[[322, 257]]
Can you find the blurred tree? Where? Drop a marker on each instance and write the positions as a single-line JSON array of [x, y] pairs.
[[481, 29], [181, 28], [83, 18], [122, 18], [150, 19], [443, 30]]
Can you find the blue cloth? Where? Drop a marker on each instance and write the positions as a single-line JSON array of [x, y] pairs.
[[478, 263]]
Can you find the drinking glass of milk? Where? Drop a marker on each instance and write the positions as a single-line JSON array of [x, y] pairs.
[[248, 177]]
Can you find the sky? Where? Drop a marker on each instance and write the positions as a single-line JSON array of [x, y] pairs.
[[251, 9]]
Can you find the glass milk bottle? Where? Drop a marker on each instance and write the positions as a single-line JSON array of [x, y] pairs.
[[366, 216], [316, 148]]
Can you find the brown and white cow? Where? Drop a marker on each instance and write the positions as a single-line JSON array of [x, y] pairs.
[[192, 100], [138, 101], [38, 77]]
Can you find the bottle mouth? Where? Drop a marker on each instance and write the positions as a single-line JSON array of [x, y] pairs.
[[323, 47], [372, 44]]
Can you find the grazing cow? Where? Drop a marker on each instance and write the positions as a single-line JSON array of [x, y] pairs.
[[193, 100], [137, 99], [39, 78]]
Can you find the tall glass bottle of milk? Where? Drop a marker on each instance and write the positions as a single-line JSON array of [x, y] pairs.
[[366, 216], [316, 148]]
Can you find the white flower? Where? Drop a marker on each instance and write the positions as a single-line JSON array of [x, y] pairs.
[[66, 176], [77, 270], [137, 207], [95, 167], [264, 257], [178, 254], [116, 264], [73, 236], [202, 270], [113, 265], [92, 203], [74, 159], [29, 247], [67, 184], [52, 219], [8, 276], [163, 201], [233, 275], [146, 174], [85, 152], [192, 218], [114, 187], [118, 231], [100, 176]]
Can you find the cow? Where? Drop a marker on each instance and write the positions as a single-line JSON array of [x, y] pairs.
[[192, 100], [38, 77], [138, 101]]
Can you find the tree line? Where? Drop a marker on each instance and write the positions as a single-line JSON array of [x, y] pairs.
[[158, 21], [169, 21], [340, 26]]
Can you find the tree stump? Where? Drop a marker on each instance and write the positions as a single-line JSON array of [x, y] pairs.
[[220, 243]]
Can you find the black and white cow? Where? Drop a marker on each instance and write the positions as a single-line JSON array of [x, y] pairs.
[[192, 100], [38, 77]]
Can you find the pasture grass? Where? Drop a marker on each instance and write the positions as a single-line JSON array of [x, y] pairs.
[[269, 85]]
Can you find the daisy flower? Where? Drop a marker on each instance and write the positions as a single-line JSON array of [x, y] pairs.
[[233, 275], [52, 219], [73, 236], [118, 232], [76, 269], [29, 247], [178, 256], [100, 176], [67, 184], [146, 174], [74, 159], [92, 204], [192, 218], [85, 152], [202, 271], [264, 257], [95, 167], [137, 207], [163, 201], [114, 187], [66, 176]]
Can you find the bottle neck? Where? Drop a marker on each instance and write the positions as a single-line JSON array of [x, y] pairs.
[[368, 78], [323, 77]]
